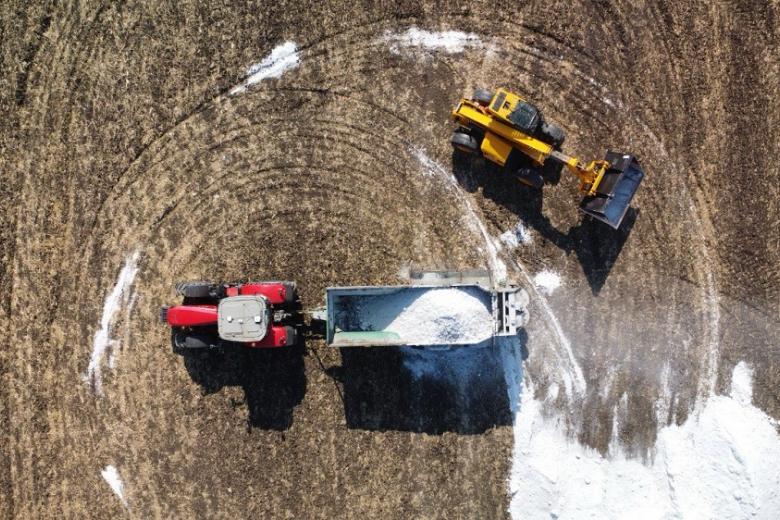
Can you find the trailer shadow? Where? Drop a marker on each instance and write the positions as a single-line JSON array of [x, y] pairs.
[[428, 390], [273, 380], [596, 245]]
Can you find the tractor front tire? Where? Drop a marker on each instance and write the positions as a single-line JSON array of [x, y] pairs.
[[483, 96], [194, 289], [464, 142]]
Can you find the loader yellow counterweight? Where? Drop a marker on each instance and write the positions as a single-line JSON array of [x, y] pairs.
[[496, 125]]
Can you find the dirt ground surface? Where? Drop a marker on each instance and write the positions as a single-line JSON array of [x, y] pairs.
[[118, 134]]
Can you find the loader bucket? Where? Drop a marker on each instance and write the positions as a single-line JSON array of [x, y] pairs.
[[615, 191]]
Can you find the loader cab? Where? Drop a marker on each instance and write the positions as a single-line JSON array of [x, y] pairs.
[[516, 111]]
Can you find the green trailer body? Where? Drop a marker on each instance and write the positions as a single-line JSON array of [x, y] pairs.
[[505, 308]]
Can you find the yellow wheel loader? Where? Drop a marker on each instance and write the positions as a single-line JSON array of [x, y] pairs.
[[499, 125]]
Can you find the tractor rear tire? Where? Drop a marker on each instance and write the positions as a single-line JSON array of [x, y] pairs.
[[194, 289], [290, 293], [192, 342], [464, 142], [483, 96], [553, 135]]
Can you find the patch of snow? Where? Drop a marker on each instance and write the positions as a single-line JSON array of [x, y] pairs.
[[514, 237], [119, 296], [283, 57], [721, 463], [547, 281], [428, 316], [450, 42], [111, 476]]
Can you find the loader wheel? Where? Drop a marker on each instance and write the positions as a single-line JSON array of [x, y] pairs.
[[530, 177], [483, 96], [553, 134], [194, 289], [464, 142]]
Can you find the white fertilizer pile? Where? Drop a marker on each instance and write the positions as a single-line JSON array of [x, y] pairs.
[[720, 463], [430, 316], [547, 281]]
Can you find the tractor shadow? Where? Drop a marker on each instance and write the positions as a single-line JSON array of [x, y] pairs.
[[273, 380], [428, 390], [596, 245]]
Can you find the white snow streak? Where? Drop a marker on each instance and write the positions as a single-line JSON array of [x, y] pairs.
[[710, 293], [432, 168], [120, 295], [283, 57], [742, 384], [450, 42], [547, 281], [721, 463], [111, 476]]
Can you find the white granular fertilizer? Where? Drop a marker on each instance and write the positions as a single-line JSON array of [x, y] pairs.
[[430, 316], [283, 57], [547, 281]]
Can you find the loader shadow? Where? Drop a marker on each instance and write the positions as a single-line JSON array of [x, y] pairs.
[[273, 381], [596, 245], [425, 390]]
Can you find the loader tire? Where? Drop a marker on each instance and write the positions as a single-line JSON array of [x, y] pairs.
[[530, 177], [483, 96], [464, 142], [553, 134], [194, 289]]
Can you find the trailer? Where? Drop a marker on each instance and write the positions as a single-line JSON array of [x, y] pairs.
[[436, 308]]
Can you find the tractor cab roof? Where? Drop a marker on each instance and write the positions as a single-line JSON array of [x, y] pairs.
[[243, 318]]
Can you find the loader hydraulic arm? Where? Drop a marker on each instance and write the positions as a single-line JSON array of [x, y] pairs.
[[590, 175]]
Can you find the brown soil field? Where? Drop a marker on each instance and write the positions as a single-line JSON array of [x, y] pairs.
[[118, 134]]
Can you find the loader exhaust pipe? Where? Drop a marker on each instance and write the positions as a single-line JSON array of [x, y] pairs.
[[617, 188]]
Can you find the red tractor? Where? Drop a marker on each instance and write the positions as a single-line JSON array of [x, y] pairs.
[[214, 315]]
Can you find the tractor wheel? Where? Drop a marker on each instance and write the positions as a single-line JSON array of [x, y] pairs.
[[553, 134], [194, 289], [464, 142], [483, 96], [194, 342], [290, 293]]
